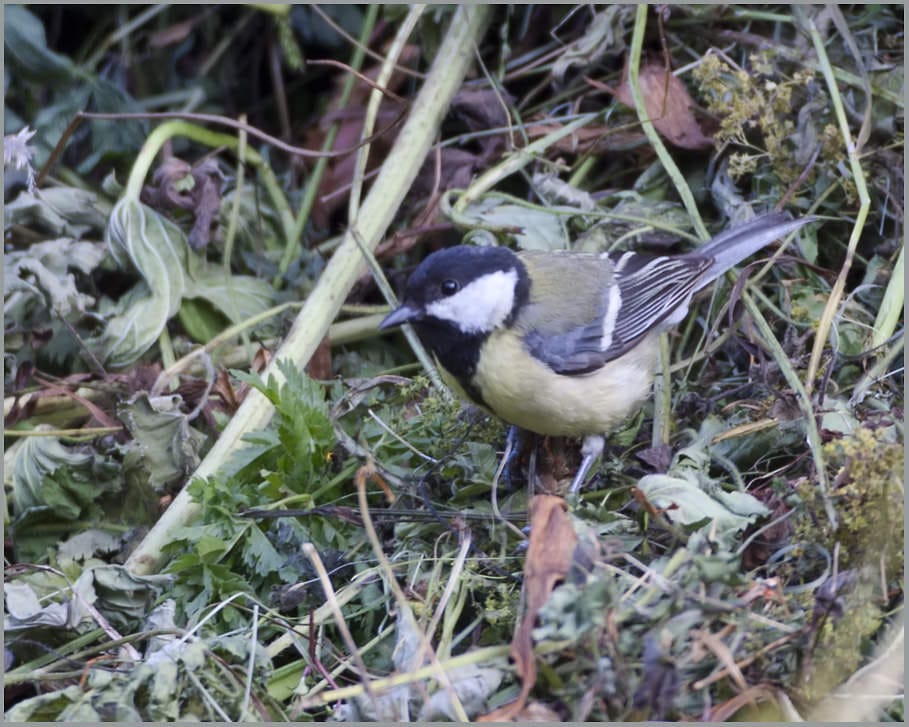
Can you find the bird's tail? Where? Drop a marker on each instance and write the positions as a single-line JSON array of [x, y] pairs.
[[732, 246]]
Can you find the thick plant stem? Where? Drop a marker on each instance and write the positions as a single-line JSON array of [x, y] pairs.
[[344, 268]]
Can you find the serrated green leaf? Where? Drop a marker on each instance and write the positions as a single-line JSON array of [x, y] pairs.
[[208, 545], [87, 543], [304, 426], [31, 461], [259, 554], [122, 597], [38, 281], [258, 444]]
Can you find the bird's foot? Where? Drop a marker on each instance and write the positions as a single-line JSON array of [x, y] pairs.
[[590, 451], [514, 442]]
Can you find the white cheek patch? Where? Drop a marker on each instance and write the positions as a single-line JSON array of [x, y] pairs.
[[480, 306]]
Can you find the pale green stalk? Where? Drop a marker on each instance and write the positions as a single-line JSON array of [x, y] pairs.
[[858, 177], [343, 270], [891, 306], [637, 45]]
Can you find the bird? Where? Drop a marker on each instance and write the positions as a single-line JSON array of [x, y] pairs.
[[563, 343]]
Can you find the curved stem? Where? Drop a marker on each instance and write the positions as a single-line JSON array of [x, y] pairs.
[[213, 139], [634, 64]]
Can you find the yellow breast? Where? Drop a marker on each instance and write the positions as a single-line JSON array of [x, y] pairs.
[[522, 391]]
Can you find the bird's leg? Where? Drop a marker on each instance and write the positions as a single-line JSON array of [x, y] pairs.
[[532, 468], [591, 451], [514, 443]]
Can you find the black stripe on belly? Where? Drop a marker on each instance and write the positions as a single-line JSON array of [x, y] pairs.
[[457, 352]]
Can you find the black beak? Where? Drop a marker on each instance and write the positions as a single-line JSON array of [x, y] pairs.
[[404, 313]]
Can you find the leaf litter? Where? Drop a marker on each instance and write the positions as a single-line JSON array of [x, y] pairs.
[[696, 578]]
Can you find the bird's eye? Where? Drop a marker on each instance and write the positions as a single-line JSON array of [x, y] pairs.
[[450, 287]]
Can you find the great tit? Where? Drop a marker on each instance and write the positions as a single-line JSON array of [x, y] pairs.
[[563, 343]]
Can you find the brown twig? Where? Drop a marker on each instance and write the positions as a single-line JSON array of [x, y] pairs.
[[277, 83], [353, 41], [362, 76], [724, 672], [208, 119]]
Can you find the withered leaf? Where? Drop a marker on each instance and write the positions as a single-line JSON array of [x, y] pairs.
[[668, 105], [319, 366], [177, 185], [552, 543]]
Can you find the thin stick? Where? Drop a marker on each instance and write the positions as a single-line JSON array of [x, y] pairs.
[[403, 605], [205, 119], [332, 600]]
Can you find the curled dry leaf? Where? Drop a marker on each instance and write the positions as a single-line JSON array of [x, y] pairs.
[[668, 105], [552, 543], [483, 110], [177, 185]]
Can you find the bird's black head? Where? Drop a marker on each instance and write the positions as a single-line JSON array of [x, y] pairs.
[[456, 298], [470, 291]]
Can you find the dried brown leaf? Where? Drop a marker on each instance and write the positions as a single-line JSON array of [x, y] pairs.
[[171, 189], [319, 366], [552, 543], [668, 105]]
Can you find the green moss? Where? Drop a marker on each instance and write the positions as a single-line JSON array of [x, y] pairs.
[[869, 497], [841, 645], [866, 476]]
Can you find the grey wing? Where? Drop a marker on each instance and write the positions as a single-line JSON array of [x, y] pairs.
[[647, 291]]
